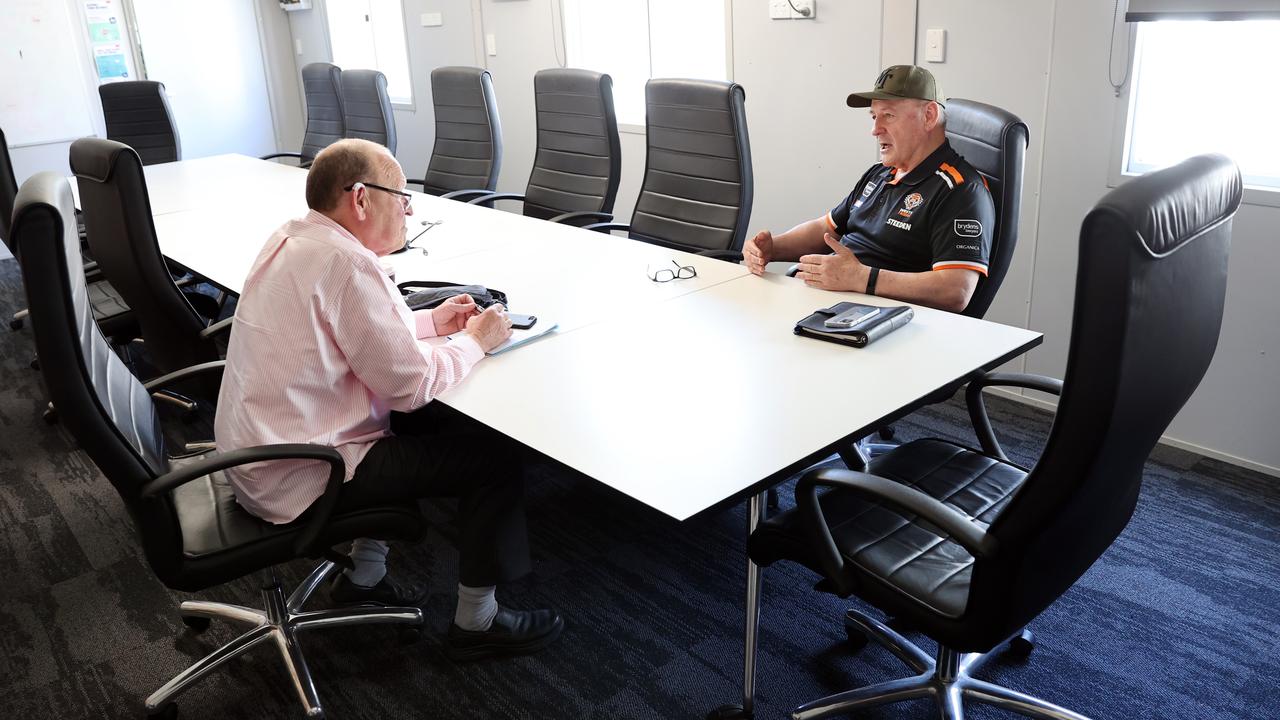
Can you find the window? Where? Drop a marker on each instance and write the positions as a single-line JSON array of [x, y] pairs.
[[1201, 86], [634, 40], [370, 34]]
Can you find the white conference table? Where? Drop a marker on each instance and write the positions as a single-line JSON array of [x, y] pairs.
[[675, 394]]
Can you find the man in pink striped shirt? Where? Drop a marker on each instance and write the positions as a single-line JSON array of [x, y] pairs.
[[324, 350]]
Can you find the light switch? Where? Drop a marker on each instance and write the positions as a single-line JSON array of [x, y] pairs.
[[297, 45], [779, 10], [491, 44], [935, 45], [432, 19]]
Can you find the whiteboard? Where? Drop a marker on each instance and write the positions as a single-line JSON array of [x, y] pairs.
[[43, 93]]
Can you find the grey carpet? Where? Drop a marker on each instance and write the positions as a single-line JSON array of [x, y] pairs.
[[1178, 620]]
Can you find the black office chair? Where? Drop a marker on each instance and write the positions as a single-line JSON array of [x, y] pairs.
[[322, 86], [193, 532], [117, 212], [366, 107], [467, 154], [138, 115], [697, 189], [579, 158], [109, 310], [968, 547]]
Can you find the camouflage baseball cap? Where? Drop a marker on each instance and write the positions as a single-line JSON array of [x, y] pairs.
[[899, 82]]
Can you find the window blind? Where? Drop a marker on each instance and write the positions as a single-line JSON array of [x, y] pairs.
[[1146, 10]]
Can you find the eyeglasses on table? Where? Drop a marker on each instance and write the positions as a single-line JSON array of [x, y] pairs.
[[681, 272]]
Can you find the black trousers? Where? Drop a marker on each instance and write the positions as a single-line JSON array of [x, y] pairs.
[[438, 452]]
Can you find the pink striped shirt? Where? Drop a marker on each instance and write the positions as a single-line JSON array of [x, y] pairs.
[[322, 350]]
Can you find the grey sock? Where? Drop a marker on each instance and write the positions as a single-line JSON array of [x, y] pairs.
[[477, 607], [370, 558]]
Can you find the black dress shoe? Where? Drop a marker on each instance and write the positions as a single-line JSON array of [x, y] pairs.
[[386, 592], [513, 632]]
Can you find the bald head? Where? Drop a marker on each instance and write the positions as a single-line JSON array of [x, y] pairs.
[[342, 164]]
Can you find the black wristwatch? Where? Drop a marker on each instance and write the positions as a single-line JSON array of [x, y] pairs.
[[871, 280]]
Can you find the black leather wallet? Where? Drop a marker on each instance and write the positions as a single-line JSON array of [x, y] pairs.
[[860, 335]]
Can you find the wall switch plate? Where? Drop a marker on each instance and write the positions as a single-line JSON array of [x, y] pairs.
[[297, 45], [491, 44], [432, 19], [935, 45], [779, 10]]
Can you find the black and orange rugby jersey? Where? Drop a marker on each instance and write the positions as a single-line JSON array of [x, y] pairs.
[[939, 216]]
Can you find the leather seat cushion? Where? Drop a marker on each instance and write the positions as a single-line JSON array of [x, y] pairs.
[[222, 541], [895, 547]]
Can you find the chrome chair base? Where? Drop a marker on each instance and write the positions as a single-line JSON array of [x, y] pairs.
[[279, 623], [948, 680]]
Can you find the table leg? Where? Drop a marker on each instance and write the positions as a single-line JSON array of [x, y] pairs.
[[755, 513]]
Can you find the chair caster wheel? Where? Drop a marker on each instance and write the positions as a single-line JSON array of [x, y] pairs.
[[730, 712], [857, 639], [196, 623], [50, 416], [15, 324], [1020, 646], [887, 433], [409, 635], [166, 712], [35, 363]]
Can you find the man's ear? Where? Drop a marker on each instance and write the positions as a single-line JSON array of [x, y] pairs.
[[930, 114], [360, 202]]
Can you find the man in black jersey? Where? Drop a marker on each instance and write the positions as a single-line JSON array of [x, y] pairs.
[[916, 227]]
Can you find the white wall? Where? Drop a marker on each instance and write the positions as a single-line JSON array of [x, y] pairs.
[[1042, 59]]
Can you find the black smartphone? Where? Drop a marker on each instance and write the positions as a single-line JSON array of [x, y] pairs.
[[522, 322]]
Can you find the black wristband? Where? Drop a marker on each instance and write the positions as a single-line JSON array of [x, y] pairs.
[[871, 280]]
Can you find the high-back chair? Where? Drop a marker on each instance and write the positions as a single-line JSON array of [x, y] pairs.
[[578, 162], [366, 107], [137, 114], [111, 312], [967, 547], [467, 154], [697, 189], [994, 141], [193, 533], [122, 236], [323, 89]]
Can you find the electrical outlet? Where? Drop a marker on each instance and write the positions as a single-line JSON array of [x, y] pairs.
[[779, 10], [804, 9]]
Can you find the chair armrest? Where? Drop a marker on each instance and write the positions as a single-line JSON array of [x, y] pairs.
[[954, 523], [978, 408], [320, 510], [273, 156], [91, 267], [791, 271], [733, 256], [415, 181], [607, 228], [214, 329], [571, 218], [493, 196], [460, 195], [183, 374]]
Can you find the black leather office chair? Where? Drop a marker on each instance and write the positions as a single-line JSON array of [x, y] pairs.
[[110, 311], [467, 154], [138, 115], [323, 89], [578, 162], [968, 547], [122, 236], [366, 107], [697, 189], [193, 532]]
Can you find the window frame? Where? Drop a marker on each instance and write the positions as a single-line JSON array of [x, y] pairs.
[[1116, 173], [632, 128], [412, 104]]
